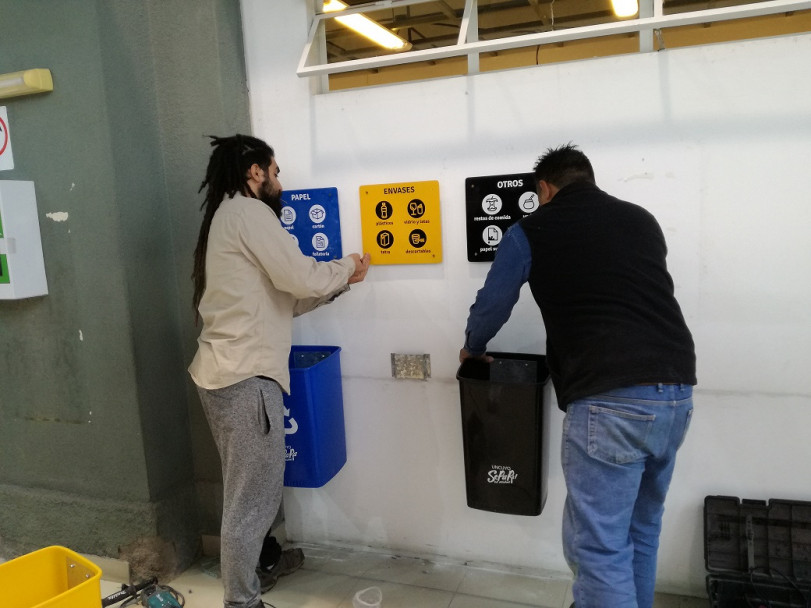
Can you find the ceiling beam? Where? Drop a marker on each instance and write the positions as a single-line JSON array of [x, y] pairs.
[[763, 8]]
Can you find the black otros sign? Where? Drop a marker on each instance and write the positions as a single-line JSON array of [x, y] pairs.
[[493, 203]]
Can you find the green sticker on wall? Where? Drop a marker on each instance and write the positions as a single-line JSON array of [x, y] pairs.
[[4, 278]]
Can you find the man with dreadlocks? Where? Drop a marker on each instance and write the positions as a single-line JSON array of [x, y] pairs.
[[250, 280]]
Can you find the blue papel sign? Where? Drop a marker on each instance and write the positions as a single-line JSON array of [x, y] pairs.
[[311, 217]]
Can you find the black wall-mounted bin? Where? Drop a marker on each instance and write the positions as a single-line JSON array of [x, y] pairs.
[[505, 432]]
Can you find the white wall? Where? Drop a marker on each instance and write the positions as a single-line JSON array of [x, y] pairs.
[[713, 140]]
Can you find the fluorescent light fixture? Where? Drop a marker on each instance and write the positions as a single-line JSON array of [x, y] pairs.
[[367, 28], [26, 82], [625, 8]]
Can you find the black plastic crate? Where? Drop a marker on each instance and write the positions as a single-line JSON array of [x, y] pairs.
[[758, 553], [757, 591], [758, 536]]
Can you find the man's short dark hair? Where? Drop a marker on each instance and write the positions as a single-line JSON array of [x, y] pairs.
[[563, 166]]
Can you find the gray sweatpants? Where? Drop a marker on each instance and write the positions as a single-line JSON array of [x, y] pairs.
[[247, 422]]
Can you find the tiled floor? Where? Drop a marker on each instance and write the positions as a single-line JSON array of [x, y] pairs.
[[331, 577]]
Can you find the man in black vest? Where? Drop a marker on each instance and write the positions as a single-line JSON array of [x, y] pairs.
[[622, 362]]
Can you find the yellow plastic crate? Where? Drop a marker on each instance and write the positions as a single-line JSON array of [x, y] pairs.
[[53, 577]]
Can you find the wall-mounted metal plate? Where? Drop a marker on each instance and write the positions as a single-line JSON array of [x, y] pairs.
[[415, 367]]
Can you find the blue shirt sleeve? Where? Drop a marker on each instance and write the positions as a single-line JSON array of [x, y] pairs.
[[496, 299]]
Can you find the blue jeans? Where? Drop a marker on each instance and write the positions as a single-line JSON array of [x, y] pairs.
[[618, 454]]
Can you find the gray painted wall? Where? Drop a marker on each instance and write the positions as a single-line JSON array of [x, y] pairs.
[[102, 444]]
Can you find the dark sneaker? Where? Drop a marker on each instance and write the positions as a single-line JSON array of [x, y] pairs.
[[260, 604], [289, 562]]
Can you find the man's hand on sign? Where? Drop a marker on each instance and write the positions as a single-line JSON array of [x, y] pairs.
[[361, 267]]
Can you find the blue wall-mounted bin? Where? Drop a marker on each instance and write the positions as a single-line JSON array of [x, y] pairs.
[[315, 438]]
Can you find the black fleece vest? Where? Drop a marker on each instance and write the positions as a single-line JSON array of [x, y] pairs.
[[600, 279]]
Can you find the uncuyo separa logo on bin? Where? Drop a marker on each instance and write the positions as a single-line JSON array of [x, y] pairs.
[[501, 474], [289, 452]]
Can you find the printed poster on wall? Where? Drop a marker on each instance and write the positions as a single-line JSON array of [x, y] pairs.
[[493, 203], [4, 277], [6, 158], [311, 218], [401, 222]]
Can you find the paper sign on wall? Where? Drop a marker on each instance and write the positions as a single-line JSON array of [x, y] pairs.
[[401, 222], [311, 217], [6, 159], [493, 203]]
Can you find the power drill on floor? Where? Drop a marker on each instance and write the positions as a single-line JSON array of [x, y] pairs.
[[148, 594], [160, 597]]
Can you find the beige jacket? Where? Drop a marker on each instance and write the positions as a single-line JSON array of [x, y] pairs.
[[257, 280]]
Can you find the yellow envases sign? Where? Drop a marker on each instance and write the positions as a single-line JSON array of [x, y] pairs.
[[401, 222]]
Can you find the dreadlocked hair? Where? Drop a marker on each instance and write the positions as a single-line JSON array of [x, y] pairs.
[[226, 175]]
